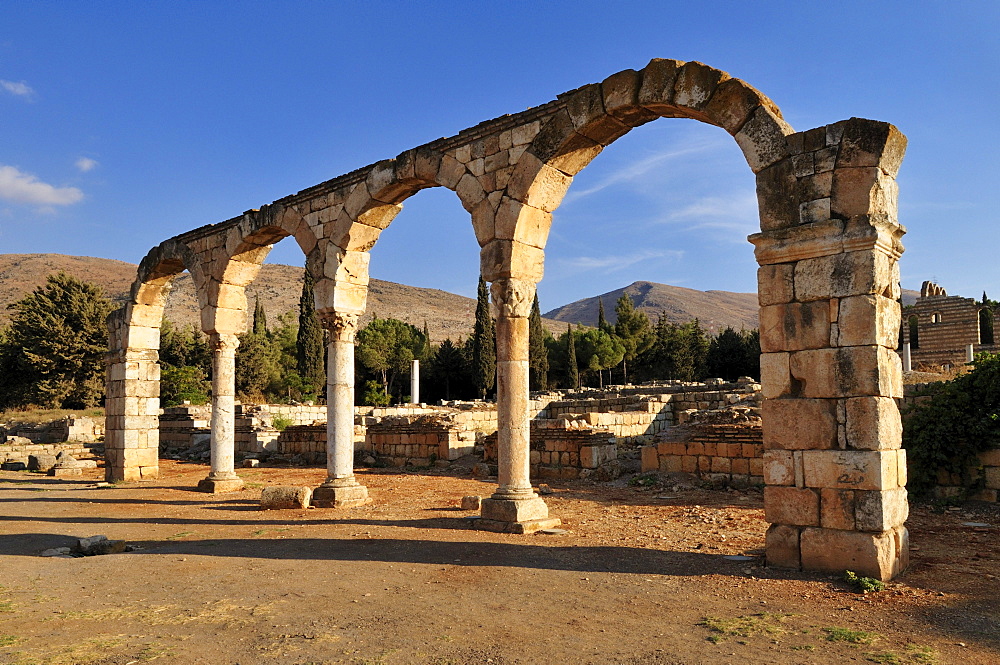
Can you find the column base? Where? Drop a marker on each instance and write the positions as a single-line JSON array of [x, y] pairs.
[[221, 484], [883, 556], [515, 516], [351, 496]]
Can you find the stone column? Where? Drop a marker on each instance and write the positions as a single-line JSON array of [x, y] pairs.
[[415, 382], [829, 324], [132, 396], [341, 489], [222, 477], [514, 507]]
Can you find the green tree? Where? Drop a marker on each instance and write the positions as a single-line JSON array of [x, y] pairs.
[[727, 355], [572, 370], [447, 366], [633, 330], [183, 384], [602, 321], [484, 353], [55, 345], [310, 349], [599, 351], [184, 347], [386, 347], [254, 367], [259, 318], [538, 356]]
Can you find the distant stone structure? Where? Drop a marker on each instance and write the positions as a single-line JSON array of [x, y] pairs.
[[828, 289], [939, 328]]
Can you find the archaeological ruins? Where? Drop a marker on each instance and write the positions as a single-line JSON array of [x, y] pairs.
[[828, 281], [941, 331]]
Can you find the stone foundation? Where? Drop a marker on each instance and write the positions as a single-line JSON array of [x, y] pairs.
[[729, 455]]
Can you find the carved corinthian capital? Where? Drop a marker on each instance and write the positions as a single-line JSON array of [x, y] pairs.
[[513, 297], [224, 342], [342, 326]]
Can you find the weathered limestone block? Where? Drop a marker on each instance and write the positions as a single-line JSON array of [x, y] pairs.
[[852, 469], [586, 109], [695, 84], [869, 319], [775, 375], [791, 505], [878, 555], [777, 202], [871, 143], [285, 497], [775, 284], [779, 467], [508, 258], [762, 139], [733, 103], [837, 509], [795, 326], [880, 510], [799, 424], [621, 98], [472, 502], [537, 184], [522, 223], [864, 191], [844, 274], [782, 543], [41, 462], [848, 372], [873, 423]]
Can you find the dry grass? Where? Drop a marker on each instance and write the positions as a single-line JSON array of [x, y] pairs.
[[35, 416]]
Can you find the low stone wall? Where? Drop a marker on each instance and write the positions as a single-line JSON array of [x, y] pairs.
[[19, 452], [725, 454], [305, 442], [564, 449], [420, 440], [84, 429]]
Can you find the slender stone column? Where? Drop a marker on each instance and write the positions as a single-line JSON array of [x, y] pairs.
[[514, 507], [415, 382], [222, 477], [341, 489]]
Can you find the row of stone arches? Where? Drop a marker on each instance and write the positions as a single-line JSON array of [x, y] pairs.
[[828, 284]]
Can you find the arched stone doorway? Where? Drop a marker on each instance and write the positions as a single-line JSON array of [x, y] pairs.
[[828, 284]]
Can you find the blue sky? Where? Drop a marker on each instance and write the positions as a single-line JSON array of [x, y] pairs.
[[122, 124]]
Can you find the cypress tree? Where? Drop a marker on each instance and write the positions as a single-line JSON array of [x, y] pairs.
[[633, 330], [426, 353], [538, 356], [259, 318], [572, 371], [484, 353], [602, 321], [309, 346]]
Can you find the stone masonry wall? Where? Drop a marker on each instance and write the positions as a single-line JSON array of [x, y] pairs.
[[725, 454], [946, 325], [563, 449]]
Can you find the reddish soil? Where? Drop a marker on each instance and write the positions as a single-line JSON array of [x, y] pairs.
[[640, 576]]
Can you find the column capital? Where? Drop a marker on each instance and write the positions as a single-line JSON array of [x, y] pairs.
[[342, 326], [224, 342], [513, 297]]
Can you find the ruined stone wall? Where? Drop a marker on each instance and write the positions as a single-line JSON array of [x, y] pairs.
[[422, 439], [560, 450], [72, 428], [946, 325], [725, 454], [19, 452]]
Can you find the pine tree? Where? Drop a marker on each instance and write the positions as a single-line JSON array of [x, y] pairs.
[[538, 356], [55, 345], [309, 345], [633, 330], [572, 371], [259, 318], [484, 354]]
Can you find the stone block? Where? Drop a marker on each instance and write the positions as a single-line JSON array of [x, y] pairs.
[[694, 86], [41, 462], [732, 103], [775, 375], [990, 457], [799, 424], [472, 502], [794, 327], [836, 509], [869, 319], [762, 139], [621, 98], [880, 510], [843, 274], [851, 469], [847, 372], [656, 91], [871, 143], [65, 471], [650, 458], [211, 484], [775, 284], [791, 505], [782, 546], [878, 555], [284, 497], [350, 496], [777, 204], [991, 476], [514, 510], [873, 423], [779, 467]]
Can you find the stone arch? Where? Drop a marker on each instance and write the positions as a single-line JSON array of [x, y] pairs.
[[828, 287]]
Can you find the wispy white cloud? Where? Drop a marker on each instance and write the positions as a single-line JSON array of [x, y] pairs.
[[737, 212], [18, 88], [611, 263], [638, 169], [86, 164], [19, 187]]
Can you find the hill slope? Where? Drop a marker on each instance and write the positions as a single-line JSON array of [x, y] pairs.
[[714, 309]]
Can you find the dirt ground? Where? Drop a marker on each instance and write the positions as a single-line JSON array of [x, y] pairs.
[[639, 576]]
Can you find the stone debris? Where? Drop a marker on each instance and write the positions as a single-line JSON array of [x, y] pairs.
[[13, 466], [250, 463], [285, 497], [41, 462], [472, 502], [544, 489], [98, 545], [61, 552]]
